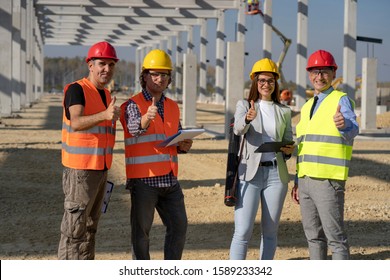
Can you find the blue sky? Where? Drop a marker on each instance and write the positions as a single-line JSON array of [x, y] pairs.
[[325, 31]]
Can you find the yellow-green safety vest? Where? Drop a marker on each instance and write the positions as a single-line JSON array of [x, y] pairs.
[[322, 150]]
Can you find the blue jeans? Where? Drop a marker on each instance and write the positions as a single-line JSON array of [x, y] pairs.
[[266, 188], [169, 202]]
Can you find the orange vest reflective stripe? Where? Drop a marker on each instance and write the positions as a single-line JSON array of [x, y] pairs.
[[92, 148], [143, 158]]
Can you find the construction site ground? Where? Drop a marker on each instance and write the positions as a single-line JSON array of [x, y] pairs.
[[31, 198]]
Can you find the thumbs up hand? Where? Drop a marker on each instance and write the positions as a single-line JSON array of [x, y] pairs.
[[113, 112], [150, 115], [152, 110], [338, 118], [251, 114]]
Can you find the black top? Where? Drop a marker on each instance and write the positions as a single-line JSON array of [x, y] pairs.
[[75, 96]]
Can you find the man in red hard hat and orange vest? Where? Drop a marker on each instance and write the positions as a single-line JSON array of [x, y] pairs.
[[88, 138], [148, 118]]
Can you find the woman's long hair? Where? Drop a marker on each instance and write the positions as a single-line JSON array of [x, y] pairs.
[[254, 93]]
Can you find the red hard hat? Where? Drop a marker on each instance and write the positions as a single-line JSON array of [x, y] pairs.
[[102, 50], [321, 58]]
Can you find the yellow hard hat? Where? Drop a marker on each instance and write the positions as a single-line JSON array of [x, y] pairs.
[[264, 65], [157, 59]]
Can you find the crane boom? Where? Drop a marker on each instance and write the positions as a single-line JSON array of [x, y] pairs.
[[286, 95], [286, 43]]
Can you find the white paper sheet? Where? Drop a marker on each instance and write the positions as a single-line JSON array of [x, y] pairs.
[[180, 136]]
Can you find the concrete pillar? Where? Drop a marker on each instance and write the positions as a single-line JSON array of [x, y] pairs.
[[6, 58], [179, 69], [203, 63], [267, 30], [38, 61], [301, 59], [170, 46], [369, 89], [349, 51], [235, 80], [163, 45], [147, 49], [142, 52], [34, 62], [41, 62], [23, 29], [170, 53], [189, 90], [220, 59], [138, 65], [190, 39], [16, 46], [29, 54], [241, 22]]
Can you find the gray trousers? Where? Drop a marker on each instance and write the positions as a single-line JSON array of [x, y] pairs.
[[322, 209], [84, 191]]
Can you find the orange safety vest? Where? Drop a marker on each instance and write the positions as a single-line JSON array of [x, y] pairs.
[[88, 149], [143, 158]]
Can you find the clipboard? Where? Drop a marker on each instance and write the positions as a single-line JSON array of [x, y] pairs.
[[272, 146], [180, 136], [107, 196]]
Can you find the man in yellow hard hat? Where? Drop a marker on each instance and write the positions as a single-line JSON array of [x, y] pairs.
[[148, 118], [253, 5]]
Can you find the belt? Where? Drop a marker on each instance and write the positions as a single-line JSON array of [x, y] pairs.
[[268, 163]]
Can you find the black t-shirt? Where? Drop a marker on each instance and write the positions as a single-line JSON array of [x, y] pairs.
[[75, 96]]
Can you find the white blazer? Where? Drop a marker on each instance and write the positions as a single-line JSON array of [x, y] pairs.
[[250, 160]]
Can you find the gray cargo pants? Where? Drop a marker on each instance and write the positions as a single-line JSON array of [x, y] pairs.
[[84, 192]]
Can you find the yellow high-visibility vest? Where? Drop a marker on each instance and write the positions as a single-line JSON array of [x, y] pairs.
[[322, 150]]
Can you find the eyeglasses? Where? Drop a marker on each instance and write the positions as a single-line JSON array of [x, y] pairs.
[[324, 72], [158, 74], [262, 82]]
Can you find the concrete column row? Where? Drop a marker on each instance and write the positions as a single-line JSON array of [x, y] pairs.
[[21, 57], [186, 46], [301, 58], [349, 50], [190, 89]]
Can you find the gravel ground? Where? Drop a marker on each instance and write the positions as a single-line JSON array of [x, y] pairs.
[[31, 196]]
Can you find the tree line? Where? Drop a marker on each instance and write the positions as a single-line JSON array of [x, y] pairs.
[[60, 71]]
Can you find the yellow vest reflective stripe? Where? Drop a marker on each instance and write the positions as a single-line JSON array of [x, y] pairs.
[[323, 138], [92, 148], [322, 151]]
